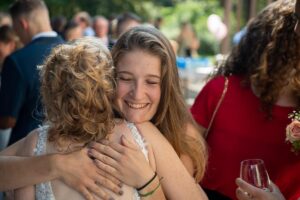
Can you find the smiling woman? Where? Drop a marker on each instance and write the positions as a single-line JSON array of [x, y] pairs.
[[138, 85], [153, 93]]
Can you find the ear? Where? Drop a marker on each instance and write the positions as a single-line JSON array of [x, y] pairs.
[[24, 23]]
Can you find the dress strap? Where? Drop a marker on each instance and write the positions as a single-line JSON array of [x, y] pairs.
[[43, 191], [138, 138], [40, 148]]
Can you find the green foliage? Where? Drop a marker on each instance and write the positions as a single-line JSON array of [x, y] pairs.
[[173, 12], [107, 8], [95, 7], [195, 12]]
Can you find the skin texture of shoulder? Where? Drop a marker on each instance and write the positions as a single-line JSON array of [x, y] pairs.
[[23, 147], [168, 164]]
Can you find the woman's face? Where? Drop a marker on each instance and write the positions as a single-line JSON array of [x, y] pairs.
[[138, 85]]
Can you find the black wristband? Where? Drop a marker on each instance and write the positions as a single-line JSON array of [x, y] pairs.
[[145, 185]]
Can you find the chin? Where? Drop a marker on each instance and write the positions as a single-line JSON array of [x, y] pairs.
[[136, 119]]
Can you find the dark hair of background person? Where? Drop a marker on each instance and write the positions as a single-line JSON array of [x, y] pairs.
[[24, 7], [58, 23], [71, 25], [125, 18], [268, 55], [7, 34]]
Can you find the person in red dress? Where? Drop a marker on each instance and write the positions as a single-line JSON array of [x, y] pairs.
[[263, 76]]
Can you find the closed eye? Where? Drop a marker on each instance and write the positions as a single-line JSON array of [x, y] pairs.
[[124, 79], [153, 82]]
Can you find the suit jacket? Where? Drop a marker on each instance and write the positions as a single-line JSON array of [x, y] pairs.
[[20, 86]]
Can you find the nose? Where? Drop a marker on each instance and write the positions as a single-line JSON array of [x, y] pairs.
[[138, 90]]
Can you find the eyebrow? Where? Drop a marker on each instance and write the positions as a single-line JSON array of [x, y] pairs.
[[149, 75]]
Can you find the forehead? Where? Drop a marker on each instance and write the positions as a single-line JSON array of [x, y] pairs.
[[101, 21], [139, 62]]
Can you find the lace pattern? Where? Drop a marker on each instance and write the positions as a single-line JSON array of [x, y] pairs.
[[43, 191]]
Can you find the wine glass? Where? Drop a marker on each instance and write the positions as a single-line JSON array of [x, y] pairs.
[[254, 172]]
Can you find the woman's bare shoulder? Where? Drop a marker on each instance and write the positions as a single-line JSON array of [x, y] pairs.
[[149, 131], [23, 146]]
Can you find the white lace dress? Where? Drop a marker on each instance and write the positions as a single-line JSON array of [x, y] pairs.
[[43, 191]]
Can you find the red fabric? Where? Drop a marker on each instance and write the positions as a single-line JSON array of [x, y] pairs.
[[241, 131]]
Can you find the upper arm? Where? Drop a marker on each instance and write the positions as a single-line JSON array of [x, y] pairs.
[[177, 183], [13, 89], [186, 159]]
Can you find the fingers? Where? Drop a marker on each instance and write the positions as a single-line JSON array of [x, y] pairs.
[[126, 142], [86, 194], [111, 178], [246, 186], [245, 190], [116, 146], [106, 149], [103, 158], [109, 182], [99, 192], [108, 169], [273, 187], [241, 195]]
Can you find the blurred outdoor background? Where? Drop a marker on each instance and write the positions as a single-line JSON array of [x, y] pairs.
[[202, 31], [234, 13]]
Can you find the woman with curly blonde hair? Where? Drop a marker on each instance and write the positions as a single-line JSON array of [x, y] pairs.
[[263, 75]]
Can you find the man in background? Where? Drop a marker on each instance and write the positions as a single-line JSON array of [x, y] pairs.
[[20, 107], [101, 27]]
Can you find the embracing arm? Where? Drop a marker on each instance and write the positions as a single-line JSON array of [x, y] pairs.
[[14, 170], [177, 183], [195, 134], [15, 173], [76, 169]]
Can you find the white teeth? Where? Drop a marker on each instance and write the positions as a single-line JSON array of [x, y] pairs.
[[137, 105]]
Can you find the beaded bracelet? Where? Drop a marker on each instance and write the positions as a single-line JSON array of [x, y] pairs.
[[145, 185], [151, 192]]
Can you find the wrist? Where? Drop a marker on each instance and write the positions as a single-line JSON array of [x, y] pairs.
[[151, 188], [54, 163], [145, 179]]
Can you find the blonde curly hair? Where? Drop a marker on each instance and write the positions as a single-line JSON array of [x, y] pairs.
[[77, 90]]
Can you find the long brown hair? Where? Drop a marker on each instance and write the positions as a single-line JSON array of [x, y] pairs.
[[172, 116]]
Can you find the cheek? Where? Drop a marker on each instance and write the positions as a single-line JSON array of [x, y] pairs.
[[156, 95], [121, 90]]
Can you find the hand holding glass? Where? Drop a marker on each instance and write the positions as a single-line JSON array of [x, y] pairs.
[[254, 172]]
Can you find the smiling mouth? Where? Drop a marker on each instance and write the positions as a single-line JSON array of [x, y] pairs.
[[137, 105]]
